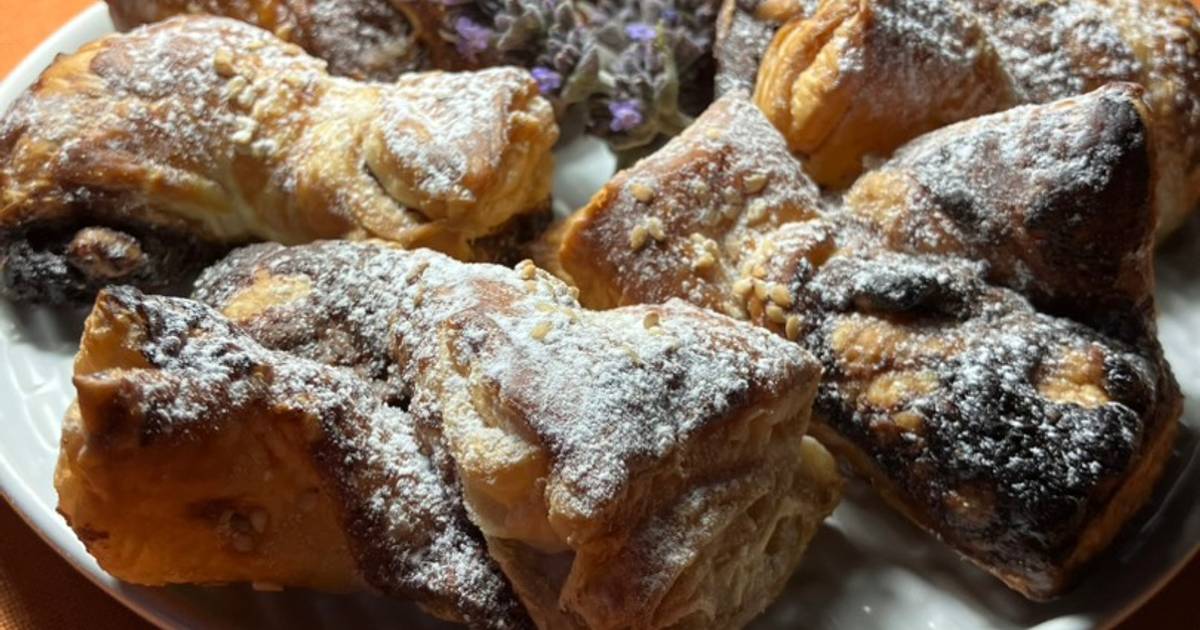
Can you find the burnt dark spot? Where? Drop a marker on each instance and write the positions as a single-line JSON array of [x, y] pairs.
[[69, 262], [892, 284]]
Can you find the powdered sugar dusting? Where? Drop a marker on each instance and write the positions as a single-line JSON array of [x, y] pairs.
[[362, 38], [1040, 193], [607, 393], [717, 190], [961, 299], [591, 384], [402, 510], [218, 130], [359, 38]]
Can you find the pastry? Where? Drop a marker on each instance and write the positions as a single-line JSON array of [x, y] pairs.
[[605, 502], [745, 29], [146, 154], [630, 72], [194, 455], [982, 305], [362, 39], [859, 78]]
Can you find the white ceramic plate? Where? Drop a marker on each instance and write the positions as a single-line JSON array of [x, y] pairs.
[[868, 568]]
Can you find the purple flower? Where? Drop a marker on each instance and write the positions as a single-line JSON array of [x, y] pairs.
[[640, 32], [626, 115], [548, 80], [472, 38]]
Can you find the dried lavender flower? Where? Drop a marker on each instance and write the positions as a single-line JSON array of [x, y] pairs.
[[626, 115], [473, 38], [548, 80], [640, 32], [637, 70]]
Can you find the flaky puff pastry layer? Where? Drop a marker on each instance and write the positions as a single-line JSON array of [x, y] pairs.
[[982, 305], [194, 455], [208, 131], [691, 515], [373, 39], [855, 79], [744, 30], [645, 467], [363, 39]]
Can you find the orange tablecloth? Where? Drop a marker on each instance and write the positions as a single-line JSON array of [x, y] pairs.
[[39, 590]]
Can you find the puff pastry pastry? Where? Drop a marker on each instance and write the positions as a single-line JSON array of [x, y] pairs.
[[145, 154], [859, 78], [628, 72], [982, 305], [639, 468], [744, 30], [363, 39]]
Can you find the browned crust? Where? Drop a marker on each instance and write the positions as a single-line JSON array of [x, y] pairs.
[[426, 391], [362, 39], [290, 472], [859, 78], [745, 29], [1129, 497], [982, 305], [199, 133]]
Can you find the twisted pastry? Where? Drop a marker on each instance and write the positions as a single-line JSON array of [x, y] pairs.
[[144, 155], [194, 455], [982, 305], [638, 468], [629, 71], [859, 78]]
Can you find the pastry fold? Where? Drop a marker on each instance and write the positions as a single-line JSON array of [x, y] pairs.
[[856, 79], [744, 30], [195, 455], [645, 467], [145, 155], [982, 305], [361, 39]]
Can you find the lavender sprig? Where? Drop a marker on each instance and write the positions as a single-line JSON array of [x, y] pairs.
[[637, 70]]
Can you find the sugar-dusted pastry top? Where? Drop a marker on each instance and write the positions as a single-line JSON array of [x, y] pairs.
[[854, 79], [745, 29], [592, 450], [160, 378], [630, 72], [683, 220], [1044, 195], [540, 345], [199, 133], [982, 306], [362, 39]]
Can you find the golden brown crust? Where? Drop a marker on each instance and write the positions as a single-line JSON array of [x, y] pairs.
[[209, 131], [1042, 195], [859, 78], [695, 536], [697, 208], [365, 39], [362, 39], [196, 455], [982, 305], [745, 29], [558, 470], [661, 446]]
